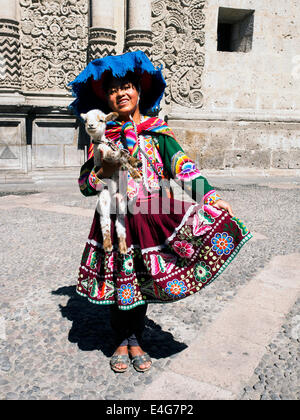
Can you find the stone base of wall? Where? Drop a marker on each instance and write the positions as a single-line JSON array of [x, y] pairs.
[[240, 145], [37, 139], [36, 136]]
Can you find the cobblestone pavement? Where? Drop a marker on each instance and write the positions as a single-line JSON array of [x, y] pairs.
[[56, 345]]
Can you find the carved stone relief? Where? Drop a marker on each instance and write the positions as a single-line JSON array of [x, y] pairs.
[[178, 40], [138, 40], [10, 71], [53, 42], [102, 42]]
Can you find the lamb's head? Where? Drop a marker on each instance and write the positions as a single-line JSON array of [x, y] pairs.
[[95, 122]]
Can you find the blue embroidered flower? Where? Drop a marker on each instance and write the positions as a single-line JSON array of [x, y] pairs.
[[222, 243], [126, 294], [176, 288]]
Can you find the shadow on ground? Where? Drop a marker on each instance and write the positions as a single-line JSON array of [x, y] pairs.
[[91, 328]]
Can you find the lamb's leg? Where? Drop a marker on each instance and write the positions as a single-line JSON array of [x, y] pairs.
[[120, 227], [121, 203], [134, 162], [133, 172], [98, 153], [103, 208], [131, 163]]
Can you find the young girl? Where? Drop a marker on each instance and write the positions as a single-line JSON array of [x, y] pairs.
[[175, 248]]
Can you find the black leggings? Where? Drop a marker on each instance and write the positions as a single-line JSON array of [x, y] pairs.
[[128, 325]]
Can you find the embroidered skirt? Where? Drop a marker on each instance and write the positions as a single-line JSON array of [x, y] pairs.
[[174, 250]]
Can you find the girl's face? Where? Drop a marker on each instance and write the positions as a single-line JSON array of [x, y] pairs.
[[123, 98]]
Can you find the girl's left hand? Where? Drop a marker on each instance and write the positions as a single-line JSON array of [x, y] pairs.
[[221, 204]]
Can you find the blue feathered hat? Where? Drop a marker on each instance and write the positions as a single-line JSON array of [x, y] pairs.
[[88, 87]]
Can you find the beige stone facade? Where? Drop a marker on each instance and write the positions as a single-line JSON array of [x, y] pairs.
[[232, 69], [251, 103]]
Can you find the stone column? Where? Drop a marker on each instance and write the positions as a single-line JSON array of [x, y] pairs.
[[10, 69], [102, 36], [139, 34]]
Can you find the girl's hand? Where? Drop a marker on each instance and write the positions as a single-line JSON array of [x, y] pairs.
[[221, 204], [107, 169]]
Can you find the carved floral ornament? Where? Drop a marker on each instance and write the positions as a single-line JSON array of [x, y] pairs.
[[53, 42], [178, 40]]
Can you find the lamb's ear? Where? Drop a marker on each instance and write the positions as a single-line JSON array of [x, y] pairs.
[[111, 116], [83, 116]]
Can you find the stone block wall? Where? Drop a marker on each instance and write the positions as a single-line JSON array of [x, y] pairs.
[[43, 46], [240, 145], [230, 110], [13, 144], [250, 116], [55, 143], [264, 78]]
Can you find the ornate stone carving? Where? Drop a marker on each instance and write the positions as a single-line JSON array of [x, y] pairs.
[[178, 40], [138, 40], [53, 42], [10, 72], [102, 42]]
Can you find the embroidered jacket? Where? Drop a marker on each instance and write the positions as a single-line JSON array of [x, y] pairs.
[[170, 162]]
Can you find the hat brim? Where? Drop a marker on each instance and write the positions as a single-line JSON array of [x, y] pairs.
[[88, 87]]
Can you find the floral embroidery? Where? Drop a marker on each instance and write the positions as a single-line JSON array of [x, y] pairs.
[[211, 197], [176, 288], [111, 261], [185, 233], [163, 271], [93, 287], [213, 211], [157, 264], [222, 243], [92, 259], [183, 167], [126, 294], [205, 217], [101, 291], [183, 248], [201, 223], [202, 272], [128, 265], [94, 181], [170, 261], [162, 263]]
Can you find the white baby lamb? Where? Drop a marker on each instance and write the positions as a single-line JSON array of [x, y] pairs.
[[113, 196]]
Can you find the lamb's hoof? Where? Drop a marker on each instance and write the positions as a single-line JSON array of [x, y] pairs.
[[107, 245], [108, 248], [122, 246], [136, 176], [123, 250]]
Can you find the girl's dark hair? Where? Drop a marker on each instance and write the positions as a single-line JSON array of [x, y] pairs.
[[129, 77]]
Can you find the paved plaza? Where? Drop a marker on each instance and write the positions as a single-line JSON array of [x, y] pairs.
[[238, 339]]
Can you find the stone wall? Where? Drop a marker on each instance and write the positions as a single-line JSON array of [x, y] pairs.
[[231, 110], [43, 46], [250, 111], [239, 145]]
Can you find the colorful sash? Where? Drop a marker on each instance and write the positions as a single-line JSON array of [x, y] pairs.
[[123, 134]]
